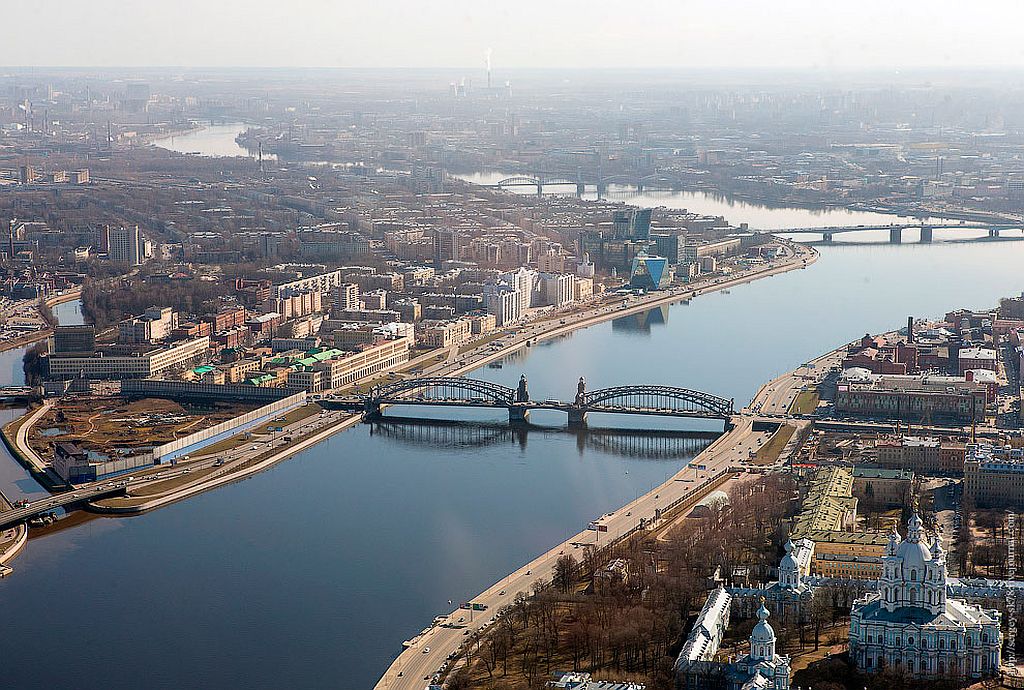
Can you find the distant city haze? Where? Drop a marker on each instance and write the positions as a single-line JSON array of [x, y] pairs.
[[696, 34]]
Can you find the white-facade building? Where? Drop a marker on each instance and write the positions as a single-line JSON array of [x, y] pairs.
[[760, 669], [524, 280], [912, 625], [557, 288], [505, 302]]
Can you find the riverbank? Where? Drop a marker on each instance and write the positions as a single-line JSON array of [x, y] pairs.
[[727, 457], [455, 362], [468, 362], [43, 333]]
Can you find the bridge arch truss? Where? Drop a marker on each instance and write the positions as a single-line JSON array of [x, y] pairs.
[[656, 399], [442, 389]]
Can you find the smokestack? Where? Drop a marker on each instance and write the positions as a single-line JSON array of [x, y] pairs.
[[910, 329]]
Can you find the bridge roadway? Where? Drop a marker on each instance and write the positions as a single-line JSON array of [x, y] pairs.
[[83, 494], [417, 664], [454, 391], [15, 392]]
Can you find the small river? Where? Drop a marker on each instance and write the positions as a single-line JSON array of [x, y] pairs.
[[312, 573]]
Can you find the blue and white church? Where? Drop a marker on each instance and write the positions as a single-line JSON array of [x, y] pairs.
[[911, 625]]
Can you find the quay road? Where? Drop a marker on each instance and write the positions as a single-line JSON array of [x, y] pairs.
[[91, 492], [417, 665], [238, 462], [556, 324]]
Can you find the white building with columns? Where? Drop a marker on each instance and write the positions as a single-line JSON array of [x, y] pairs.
[[911, 625]]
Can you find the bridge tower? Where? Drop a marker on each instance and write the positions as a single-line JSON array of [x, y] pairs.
[[371, 408], [826, 237], [895, 235], [578, 412], [518, 412], [522, 392], [926, 234], [993, 232]]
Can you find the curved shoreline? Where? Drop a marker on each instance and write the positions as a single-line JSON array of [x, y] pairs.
[[798, 261], [802, 257]]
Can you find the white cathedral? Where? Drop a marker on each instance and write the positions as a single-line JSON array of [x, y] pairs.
[[910, 624]]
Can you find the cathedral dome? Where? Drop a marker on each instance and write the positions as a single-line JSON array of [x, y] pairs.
[[762, 632], [913, 552]]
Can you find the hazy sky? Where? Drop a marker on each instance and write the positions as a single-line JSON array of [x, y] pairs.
[[820, 34]]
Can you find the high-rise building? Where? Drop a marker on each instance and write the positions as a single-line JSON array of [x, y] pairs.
[[632, 224], [125, 245], [446, 246], [347, 298], [504, 302]]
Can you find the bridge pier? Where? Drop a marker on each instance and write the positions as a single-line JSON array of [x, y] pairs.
[[577, 418], [518, 414], [895, 235], [926, 235]]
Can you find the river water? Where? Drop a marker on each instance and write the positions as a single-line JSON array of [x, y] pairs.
[[312, 573], [212, 140], [15, 481]]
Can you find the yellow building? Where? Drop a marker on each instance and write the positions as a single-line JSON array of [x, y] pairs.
[[840, 553], [828, 517]]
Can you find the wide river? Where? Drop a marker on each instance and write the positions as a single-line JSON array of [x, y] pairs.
[[212, 140], [311, 574]]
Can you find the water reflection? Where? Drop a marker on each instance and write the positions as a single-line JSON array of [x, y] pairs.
[[462, 435], [642, 322]]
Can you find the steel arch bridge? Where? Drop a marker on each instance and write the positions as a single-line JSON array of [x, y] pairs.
[[650, 399], [441, 390], [532, 181], [454, 391]]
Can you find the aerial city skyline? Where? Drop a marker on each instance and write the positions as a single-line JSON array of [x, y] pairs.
[[583, 346]]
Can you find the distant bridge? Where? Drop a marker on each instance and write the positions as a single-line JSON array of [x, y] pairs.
[[449, 391], [538, 181], [16, 393], [828, 232]]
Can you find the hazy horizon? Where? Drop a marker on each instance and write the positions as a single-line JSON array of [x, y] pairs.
[[696, 35]]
